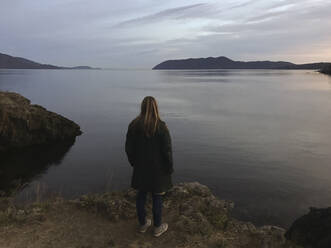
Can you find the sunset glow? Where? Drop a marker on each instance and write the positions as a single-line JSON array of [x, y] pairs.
[[143, 33]]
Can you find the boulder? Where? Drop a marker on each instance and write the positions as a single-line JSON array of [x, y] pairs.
[[326, 70], [23, 124], [312, 229]]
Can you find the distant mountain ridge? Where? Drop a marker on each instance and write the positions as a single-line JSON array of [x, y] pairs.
[[226, 63], [10, 62]]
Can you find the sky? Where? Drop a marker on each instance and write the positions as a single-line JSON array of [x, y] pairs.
[[143, 33]]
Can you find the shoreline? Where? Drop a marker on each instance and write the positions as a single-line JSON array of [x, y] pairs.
[[326, 71], [196, 219]]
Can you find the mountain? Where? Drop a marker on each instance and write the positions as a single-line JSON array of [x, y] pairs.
[[10, 62], [226, 63], [82, 67]]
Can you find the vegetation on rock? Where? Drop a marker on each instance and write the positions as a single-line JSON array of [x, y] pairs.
[[196, 219], [23, 124]]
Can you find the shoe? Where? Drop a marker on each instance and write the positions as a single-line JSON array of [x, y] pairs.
[[158, 231], [144, 228]]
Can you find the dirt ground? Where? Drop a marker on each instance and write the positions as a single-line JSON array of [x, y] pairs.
[[68, 227], [195, 216]]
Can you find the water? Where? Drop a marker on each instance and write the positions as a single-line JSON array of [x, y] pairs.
[[261, 138]]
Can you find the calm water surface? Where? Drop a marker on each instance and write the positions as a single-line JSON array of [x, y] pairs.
[[261, 138]]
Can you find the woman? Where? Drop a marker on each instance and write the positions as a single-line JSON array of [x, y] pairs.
[[148, 147]]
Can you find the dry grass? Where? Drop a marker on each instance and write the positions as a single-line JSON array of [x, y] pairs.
[[63, 225], [108, 220]]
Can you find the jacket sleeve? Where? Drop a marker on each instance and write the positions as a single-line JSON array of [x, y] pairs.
[[129, 146], [167, 149]]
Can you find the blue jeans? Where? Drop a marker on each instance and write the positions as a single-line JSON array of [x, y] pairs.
[[157, 208]]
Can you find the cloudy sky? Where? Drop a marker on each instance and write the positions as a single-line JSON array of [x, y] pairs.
[[142, 33]]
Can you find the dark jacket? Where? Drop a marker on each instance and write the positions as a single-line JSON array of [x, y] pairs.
[[150, 157]]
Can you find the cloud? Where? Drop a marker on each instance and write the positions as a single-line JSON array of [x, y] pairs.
[[175, 13], [108, 34], [299, 36], [193, 11], [244, 4]]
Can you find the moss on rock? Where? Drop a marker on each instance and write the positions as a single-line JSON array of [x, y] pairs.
[[23, 124]]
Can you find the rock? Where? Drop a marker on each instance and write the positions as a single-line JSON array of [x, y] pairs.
[[23, 124], [194, 214], [196, 219], [112, 205], [326, 70], [195, 224], [312, 229]]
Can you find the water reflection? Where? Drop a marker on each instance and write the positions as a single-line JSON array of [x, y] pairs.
[[329, 81], [261, 139], [199, 73], [227, 73], [18, 169]]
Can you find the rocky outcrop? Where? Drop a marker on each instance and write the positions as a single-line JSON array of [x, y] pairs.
[[194, 214], [313, 229], [23, 124], [326, 70], [197, 219]]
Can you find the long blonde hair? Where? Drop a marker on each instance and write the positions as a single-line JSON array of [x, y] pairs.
[[149, 115]]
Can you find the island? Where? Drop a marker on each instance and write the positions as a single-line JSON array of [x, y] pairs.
[[10, 62], [226, 63]]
